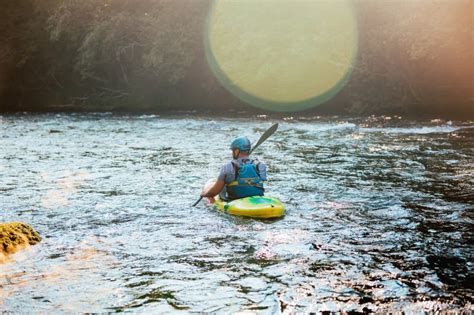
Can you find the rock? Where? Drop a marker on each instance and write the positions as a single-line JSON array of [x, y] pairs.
[[15, 236]]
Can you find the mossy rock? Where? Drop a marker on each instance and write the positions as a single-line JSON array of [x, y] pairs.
[[16, 235]]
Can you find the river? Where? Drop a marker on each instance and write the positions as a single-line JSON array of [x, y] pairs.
[[379, 215]]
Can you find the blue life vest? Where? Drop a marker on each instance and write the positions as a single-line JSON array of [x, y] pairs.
[[247, 181]]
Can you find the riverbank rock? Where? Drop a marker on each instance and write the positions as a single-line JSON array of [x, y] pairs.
[[15, 236]]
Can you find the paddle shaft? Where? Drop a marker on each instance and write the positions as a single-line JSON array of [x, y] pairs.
[[194, 204]]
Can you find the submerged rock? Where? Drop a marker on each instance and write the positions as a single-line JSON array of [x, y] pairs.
[[15, 236]]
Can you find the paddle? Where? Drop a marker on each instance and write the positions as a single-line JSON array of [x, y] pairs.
[[264, 137], [200, 198]]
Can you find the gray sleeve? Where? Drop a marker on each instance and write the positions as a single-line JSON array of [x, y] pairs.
[[262, 168], [222, 174], [227, 173]]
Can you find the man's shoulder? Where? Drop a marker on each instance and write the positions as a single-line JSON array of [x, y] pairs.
[[256, 159], [227, 171], [228, 167]]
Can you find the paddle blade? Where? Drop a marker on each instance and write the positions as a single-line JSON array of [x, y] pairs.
[[265, 136]]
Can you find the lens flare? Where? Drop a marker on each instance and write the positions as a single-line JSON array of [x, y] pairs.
[[282, 55]]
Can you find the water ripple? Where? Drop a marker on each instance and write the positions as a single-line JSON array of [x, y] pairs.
[[380, 216]]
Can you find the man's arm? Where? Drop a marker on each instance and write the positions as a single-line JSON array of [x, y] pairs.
[[213, 190]]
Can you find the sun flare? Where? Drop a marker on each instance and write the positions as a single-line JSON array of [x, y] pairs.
[[282, 55]]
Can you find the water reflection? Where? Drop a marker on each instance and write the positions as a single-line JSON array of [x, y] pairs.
[[379, 216]]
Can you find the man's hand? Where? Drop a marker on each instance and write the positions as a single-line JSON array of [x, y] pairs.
[[212, 189]]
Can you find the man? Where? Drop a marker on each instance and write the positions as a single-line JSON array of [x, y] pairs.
[[239, 178]]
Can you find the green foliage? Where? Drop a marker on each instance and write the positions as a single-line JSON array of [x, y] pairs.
[[406, 61], [414, 57], [124, 49]]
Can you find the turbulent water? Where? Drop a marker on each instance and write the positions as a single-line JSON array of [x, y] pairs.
[[379, 215]]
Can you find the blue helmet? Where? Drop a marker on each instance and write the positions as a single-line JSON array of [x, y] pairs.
[[241, 143]]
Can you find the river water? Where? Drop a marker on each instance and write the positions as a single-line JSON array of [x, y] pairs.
[[379, 215]]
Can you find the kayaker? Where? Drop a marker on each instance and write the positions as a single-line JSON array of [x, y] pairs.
[[239, 178]]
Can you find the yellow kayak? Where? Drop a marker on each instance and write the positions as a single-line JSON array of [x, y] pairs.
[[254, 207]]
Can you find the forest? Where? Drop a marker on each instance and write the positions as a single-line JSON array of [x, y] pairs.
[[415, 58]]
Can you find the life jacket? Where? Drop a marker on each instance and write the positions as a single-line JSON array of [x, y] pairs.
[[247, 181]]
